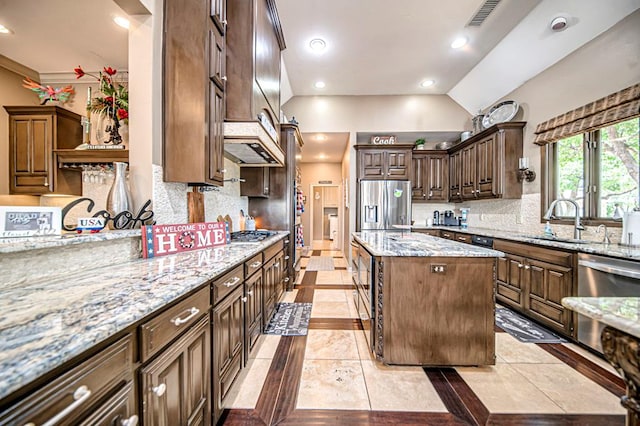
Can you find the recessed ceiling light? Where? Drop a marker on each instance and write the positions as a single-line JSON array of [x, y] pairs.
[[322, 157], [559, 23], [427, 83], [321, 138], [319, 85], [318, 45], [5, 30], [123, 22], [459, 42]]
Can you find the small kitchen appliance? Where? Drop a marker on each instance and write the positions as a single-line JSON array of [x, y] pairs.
[[631, 228], [449, 219]]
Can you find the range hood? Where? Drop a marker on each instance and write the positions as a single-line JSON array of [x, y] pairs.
[[251, 143]]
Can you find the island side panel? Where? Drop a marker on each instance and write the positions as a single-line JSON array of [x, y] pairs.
[[438, 317]]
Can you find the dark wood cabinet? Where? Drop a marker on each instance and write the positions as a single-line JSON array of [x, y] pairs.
[[175, 387], [228, 345], [119, 410], [194, 91], [253, 289], [486, 165], [533, 280], [429, 176], [256, 182], [389, 163], [269, 295], [35, 132]]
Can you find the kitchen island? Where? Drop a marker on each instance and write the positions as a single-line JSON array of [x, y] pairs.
[[424, 300]]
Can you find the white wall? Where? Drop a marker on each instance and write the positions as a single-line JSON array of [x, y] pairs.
[[312, 173]]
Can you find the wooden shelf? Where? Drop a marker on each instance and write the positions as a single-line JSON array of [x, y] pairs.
[[90, 156]]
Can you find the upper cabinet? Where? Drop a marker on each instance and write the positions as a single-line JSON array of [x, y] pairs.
[[486, 165], [429, 176], [35, 132], [194, 91], [389, 163]]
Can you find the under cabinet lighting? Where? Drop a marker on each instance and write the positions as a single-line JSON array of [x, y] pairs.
[[321, 138], [319, 85], [5, 30], [123, 22], [459, 42]]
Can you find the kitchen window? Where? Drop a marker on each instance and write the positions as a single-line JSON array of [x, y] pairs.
[[591, 156]]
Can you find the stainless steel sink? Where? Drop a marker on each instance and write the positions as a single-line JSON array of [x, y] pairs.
[[561, 240]]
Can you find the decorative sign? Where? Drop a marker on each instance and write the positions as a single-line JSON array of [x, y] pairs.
[[93, 224], [27, 221], [382, 140], [161, 240], [325, 182], [123, 220]]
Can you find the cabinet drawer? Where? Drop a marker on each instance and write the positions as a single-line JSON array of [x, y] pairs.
[[229, 282], [448, 235], [252, 265], [463, 238], [69, 396], [557, 257], [163, 328], [119, 409], [273, 250], [31, 180]]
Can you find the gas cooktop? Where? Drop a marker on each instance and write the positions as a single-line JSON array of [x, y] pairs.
[[250, 236]]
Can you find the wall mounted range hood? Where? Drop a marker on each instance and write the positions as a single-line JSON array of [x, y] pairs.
[[252, 143]]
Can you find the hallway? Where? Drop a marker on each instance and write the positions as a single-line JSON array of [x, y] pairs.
[[329, 377]]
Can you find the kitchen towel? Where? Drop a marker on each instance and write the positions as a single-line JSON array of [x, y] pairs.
[[290, 319], [320, 263], [523, 329]]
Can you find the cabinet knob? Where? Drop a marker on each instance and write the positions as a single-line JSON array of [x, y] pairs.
[[160, 389], [222, 170], [286, 280], [46, 182], [520, 265], [224, 22], [527, 267], [286, 258], [276, 265], [223, 78], [131, 421], [250, 293], [244, 299]]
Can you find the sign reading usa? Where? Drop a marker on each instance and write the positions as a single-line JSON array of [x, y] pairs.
[[161, 240]]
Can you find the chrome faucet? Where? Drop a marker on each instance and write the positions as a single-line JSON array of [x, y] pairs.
[[606, 239], [577, 227]]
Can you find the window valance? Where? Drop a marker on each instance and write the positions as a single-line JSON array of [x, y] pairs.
[[611, 109]]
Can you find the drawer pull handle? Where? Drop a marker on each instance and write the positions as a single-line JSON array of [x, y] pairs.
[[80, 396], [276, 265], [256, 264], [286, 258], [179, 321], [286, 241], [131, 421], [231, 283], [461, 238], [160, 389]]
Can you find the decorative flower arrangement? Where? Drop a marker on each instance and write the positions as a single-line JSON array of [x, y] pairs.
[[48, 93], [113, 101]]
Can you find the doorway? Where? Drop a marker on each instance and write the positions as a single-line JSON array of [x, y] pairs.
[[325, 219]]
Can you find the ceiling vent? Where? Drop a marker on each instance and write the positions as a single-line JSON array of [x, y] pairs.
[[483, 13]]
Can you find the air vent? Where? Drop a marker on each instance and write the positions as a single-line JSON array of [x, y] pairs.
[[483, 13]]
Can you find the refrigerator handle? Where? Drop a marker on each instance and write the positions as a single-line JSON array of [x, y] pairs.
[[371, 214]]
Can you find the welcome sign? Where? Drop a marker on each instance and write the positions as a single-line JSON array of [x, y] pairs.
[[161, 240]]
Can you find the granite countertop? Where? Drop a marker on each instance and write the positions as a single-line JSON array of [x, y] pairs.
[[612, 250], [395, 243], [45, 324], [622, 313], [13, 245]]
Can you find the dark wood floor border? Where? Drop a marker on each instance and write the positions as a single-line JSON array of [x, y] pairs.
[[316, 252], [288, 392], [370, 418], [457, 396], [340, 268], [266, 405], [238, 417], [305, 294], [556, 419], [309, 277], [587, 368], [335, 324], [327, 286]]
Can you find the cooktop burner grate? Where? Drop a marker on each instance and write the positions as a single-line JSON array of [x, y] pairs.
[[250, 236]]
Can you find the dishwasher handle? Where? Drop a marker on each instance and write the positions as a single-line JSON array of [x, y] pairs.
[[617, 270]]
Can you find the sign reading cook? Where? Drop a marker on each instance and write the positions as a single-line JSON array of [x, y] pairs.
[[382, 140]]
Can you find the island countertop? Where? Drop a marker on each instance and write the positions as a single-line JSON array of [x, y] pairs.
[[46, 323], [411, 244], [622, 313]]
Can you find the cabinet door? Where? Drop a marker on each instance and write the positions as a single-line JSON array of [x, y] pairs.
[[269, 295], [253, 311], [330, 196], [228, 343], [256, 182], [118, 410], [548, 284], [510, 280], [175, 386], [31, 154], [216, 134], [485, 162], [398, 164], [418, 189], [436, 178], [218, 14], [217, 59], [371, 164], [455, 177], [468, 172]]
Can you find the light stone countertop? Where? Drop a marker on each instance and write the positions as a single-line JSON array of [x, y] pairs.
[[408, 244], [14, 245], [622, 313], [612, 250], [44, 324]]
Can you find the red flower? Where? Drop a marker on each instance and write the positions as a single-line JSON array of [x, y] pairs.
[[108, 99], [79, 71], [109, 70], [122, 114]]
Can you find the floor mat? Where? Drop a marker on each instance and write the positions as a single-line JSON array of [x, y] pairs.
[[524, 329], [321, 263], [290, 319]]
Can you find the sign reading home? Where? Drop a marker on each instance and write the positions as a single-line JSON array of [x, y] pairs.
[[382, 140], [161, 240]]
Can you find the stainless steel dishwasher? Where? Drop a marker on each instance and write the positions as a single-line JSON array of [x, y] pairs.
[[600, 276]]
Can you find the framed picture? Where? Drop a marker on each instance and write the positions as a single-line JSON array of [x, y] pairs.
[[27, 221]]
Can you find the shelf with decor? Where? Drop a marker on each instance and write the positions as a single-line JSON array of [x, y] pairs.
[[77, 157]]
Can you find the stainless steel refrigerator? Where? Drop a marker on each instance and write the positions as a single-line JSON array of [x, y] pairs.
[[384, 203]]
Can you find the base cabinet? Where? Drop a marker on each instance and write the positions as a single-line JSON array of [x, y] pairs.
[[175, 386], [533, 280]]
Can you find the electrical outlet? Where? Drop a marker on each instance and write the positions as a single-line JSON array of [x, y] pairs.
[[519, 219]]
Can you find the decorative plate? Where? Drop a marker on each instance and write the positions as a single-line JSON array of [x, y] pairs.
[[500, 113]]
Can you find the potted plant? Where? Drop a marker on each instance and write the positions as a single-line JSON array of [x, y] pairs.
[[420, 143]]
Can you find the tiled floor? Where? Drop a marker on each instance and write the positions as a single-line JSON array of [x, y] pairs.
[[330, 377]]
